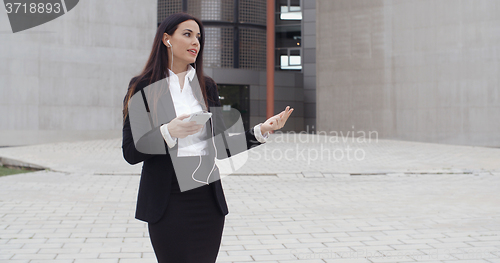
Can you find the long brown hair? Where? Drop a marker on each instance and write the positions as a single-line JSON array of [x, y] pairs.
[[156, 66]]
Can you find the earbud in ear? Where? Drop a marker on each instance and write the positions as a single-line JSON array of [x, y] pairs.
[[168, 41]]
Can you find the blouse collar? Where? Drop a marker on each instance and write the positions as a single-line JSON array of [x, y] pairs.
[[190, 74]]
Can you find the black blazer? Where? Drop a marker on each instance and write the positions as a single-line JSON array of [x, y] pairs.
[[158, 171]]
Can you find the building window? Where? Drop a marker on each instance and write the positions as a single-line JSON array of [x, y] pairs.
[[288, 36], [218, 52], [290, 10], [212, 10], [252, 11], [290, 58], [252, 48], [166, 8], [235, 30]]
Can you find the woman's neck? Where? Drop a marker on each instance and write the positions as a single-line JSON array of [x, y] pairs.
[[179, 69], [181, 74]]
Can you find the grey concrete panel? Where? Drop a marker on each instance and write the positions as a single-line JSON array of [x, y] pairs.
[[299, 80], [263, 77], [254, 92], [309, 16], [309, 28], [236, 76], [284, 93], [299, 94], [417, 70], [298, 108], [4, 92], [72, 73], [309, 55], [309, 82], [309, 69], [254, 120], [18, 116], [208, 71], [299, 123], [309, 4], [310, 110], [23, 90], [309, 42], [284, 78], [263, 107], [254, 108], [262, 92], [310, 96], [309, 125]]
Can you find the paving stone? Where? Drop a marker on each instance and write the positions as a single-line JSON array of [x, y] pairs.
[[312, 175], [285, 176]]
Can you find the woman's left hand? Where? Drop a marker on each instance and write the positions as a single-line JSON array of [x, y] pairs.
[[277, 121]]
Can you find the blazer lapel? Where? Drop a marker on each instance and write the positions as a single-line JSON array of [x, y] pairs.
[[196, 88], [167, 103]]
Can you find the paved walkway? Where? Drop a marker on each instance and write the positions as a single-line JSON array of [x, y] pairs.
[[405, 202], [282, 154]]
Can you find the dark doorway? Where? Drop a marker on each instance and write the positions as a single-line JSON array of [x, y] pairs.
[[236, 97]]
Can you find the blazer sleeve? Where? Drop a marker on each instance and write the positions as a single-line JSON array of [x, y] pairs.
[[130, 153], [149, 141]]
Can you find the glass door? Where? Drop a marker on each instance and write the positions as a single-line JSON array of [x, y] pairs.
[[236, 97]]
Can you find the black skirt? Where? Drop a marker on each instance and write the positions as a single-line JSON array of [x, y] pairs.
[[191, 228]]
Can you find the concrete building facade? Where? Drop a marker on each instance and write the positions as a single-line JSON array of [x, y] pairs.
[[235, 53], [410, 70], [65, 80], [405, 69]]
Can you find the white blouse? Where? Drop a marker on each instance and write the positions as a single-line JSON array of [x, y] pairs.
[[185, 102]]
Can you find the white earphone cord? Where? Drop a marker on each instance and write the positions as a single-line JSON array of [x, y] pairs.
[[208, 178], [213, 141], [172, 50]]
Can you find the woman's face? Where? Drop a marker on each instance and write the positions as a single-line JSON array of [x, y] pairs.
[[185, 43]]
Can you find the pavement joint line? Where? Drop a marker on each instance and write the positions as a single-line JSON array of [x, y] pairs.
[[118, 174], [329, 173], [254, 174], [387, 158]]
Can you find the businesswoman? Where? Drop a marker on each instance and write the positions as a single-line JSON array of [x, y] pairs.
[[183, 226]]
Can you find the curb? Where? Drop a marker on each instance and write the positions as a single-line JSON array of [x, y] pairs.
[[19, 164]]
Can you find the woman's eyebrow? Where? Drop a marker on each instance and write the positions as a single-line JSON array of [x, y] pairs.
[[191, 31]]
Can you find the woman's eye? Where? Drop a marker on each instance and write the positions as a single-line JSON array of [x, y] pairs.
[[199, 38]]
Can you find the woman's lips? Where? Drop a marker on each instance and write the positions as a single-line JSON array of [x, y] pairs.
[[192, 52]]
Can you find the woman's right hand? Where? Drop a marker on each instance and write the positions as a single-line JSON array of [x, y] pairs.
[[181, 129]]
